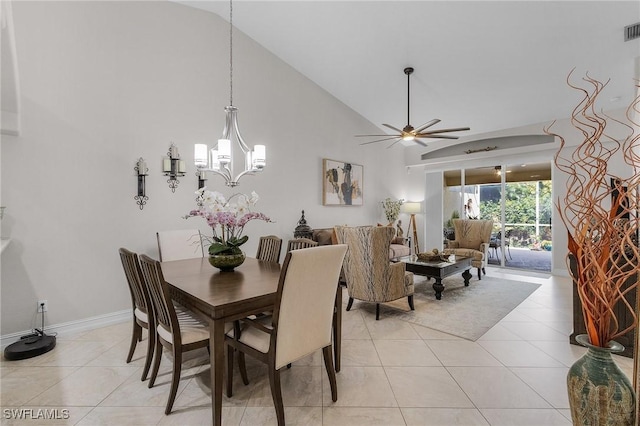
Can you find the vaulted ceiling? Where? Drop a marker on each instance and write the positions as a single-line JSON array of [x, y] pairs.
[[486, 65]]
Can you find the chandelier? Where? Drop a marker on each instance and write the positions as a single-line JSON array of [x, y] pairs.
[[219, 160]]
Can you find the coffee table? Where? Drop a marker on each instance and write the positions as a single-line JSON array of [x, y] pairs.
[[439, 270]]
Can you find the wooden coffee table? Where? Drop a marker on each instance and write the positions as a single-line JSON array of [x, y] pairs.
[[439, 270]]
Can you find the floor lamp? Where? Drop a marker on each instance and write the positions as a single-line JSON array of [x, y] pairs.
[[412, 209]]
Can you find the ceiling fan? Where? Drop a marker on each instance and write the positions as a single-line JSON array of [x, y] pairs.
[[408, 133]]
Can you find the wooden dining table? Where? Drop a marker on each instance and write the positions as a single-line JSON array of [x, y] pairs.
[[222, 297]]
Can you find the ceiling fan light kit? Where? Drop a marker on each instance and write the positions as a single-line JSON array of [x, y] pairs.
[[409, 133]]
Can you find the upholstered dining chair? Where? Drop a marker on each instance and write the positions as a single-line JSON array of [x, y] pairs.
[[301, 323], [269, 248], [179, 244], [300, 243], [143, 316], [179, 330], [369, 274], [473, 238]]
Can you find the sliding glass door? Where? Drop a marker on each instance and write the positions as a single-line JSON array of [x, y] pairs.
[[517, 197]]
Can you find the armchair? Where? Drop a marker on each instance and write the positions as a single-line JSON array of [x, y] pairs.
[[369, 274], [472, 240]]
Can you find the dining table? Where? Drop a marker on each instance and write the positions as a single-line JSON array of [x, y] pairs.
[[222, 297]]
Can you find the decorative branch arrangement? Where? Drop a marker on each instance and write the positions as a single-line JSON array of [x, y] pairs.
[[600, 212]]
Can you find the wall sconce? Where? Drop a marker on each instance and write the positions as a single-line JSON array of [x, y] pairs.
[[173, 167], [141, 171], [202, 178]]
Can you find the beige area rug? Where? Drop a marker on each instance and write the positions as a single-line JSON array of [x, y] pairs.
[[467, 312]]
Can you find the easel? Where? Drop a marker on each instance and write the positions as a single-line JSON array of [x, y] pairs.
[[412, 225]]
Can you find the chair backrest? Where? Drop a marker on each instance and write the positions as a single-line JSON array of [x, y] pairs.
[[139, 293], [269, 248], [180, 244], [300, 243], [471, 233], [366, 264], [304, 307], [165, 313]]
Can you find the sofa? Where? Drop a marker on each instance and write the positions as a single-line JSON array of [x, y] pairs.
[[398, 247]]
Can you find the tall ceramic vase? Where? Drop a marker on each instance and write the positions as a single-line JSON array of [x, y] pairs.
[[600, 394]]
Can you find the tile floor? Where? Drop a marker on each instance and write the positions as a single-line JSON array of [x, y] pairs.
[[393, 373]]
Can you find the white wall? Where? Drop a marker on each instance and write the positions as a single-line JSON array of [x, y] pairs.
[[104, 83]]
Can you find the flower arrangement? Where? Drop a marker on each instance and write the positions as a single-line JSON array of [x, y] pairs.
[[600, 212], [392, 208], [227, 219]]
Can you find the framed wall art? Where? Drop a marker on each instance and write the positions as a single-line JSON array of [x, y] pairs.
[[342, 183]]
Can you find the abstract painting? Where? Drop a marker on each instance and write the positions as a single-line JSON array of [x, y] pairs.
[[341, 183]]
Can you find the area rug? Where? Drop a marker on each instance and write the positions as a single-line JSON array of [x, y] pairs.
[[467, 312]]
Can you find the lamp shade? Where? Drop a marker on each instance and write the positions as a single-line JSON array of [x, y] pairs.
[[200, 155], [412, 208]]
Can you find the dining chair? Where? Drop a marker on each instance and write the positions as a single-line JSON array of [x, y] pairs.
[[301, 321], [142, 309], [179, 244], [300, 243], [269, 248], [178, 329]]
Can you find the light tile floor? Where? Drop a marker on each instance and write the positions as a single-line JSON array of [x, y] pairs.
[[393, 373]]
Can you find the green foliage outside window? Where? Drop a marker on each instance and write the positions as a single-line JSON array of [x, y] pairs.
[[520, 208]]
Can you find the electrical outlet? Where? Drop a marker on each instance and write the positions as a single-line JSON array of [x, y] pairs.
[[42, 305]]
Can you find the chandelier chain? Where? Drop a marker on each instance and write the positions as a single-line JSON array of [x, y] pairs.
[[231, 52]]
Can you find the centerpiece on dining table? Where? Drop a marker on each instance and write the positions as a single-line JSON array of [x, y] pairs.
[[227, 219]]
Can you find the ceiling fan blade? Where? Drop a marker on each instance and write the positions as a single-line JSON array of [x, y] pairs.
[[392, 128], [419, 142], [363, 136], [426, 125], [380, 140], [391, 146], [454, 129], [436, 136]]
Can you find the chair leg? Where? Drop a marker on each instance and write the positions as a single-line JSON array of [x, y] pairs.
[[410, 299], [483, 271], [151, 344], [230, 351], [377, 311], [175, 379], [136, 333], [349, 303], [479, 273], [276, 393], [328, 363], [156, 363], [243, 368]]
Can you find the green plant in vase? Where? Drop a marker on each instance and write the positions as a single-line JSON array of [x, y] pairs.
[[391, 209], [227, 220]]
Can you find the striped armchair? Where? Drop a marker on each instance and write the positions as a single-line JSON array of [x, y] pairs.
[[472, 240], [369, 274]]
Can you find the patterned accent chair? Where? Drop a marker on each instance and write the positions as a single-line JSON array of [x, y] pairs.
[[472, 240], [369, 274]]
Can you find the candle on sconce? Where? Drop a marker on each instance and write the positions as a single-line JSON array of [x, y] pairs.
[[182, 167], [173, 151], [142, 167], [166, 165]]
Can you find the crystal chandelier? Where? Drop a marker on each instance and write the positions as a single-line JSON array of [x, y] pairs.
[[219, 160]]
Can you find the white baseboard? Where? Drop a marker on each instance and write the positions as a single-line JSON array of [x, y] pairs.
[[73, 326]]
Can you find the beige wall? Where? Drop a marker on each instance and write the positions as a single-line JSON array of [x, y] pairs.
[[104, 83]]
